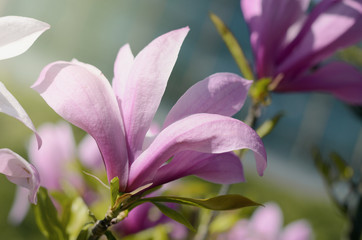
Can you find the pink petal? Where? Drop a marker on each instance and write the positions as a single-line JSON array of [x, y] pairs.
[[57, 152], [146, 84], [298, 230], [122, 68], [20, 207], [332, 25], [10, 106], [220, 93], [89, 153], [17, 34], [208, 133], [20, 172], [267, 221], [340, 79], [83, 96], [268, 26], [223, 168]]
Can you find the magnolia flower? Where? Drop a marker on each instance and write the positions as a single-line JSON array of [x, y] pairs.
[[287, 43], [198, 133], [266, 224], [17, 34]]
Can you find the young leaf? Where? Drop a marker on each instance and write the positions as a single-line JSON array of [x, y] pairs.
[[78, 217], [169, 212], [223, 202], [345, 171], [114, 189], [268, 125], [233, 46], [47, 218]]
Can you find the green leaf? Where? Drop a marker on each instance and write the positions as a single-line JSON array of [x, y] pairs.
[[47, 218], [352, 55], [223, 202], [78, 217], [114, 189], [345, 171], [169, 212], [109, 235], [233, 46], [268, 125]]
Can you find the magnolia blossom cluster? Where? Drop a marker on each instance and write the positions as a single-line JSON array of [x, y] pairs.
[[288, 44]]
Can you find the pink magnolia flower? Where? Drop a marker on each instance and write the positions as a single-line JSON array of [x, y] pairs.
[[17, 34], [287, 43], [266, 224], [198, 133]]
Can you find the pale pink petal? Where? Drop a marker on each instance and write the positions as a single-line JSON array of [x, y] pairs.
[[122, 68], [10, 106], [53, 158], [268, 26], [332, 26], [82, 95], [208, 133], [298, 230], [20, 172], [220, 93], [146, 84], [20, 207], [223, 168], [267, 221], [17, 34], [89, 153], [337, 78]]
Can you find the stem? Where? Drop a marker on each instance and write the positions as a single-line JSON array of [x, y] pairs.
[[356, 230], [251, 119]]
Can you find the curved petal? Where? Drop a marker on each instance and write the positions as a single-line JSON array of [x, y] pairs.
[[220, 93], [146, 84], [331, 26], [223, 168], [268, 27], [298, 230], [53, 158], [122, 68], [340, 79], [83, 96], [208, 133], [20, 172], [18, 34], [10, 106], [20, 207]]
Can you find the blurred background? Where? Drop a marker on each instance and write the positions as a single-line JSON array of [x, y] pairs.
[[92, 31]]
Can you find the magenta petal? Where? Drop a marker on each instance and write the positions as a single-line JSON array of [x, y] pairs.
[[89, 153], [10, 106], [122, 68], [223, 168], [146, 84], [208, 133], [340, 79], [220, 93], [20, 172], [20, 206], [83, 96], [332, 25], [268, 26]]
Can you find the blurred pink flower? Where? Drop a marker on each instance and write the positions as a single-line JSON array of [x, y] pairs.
[[287, 43], [198, 132], [266, 224]]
